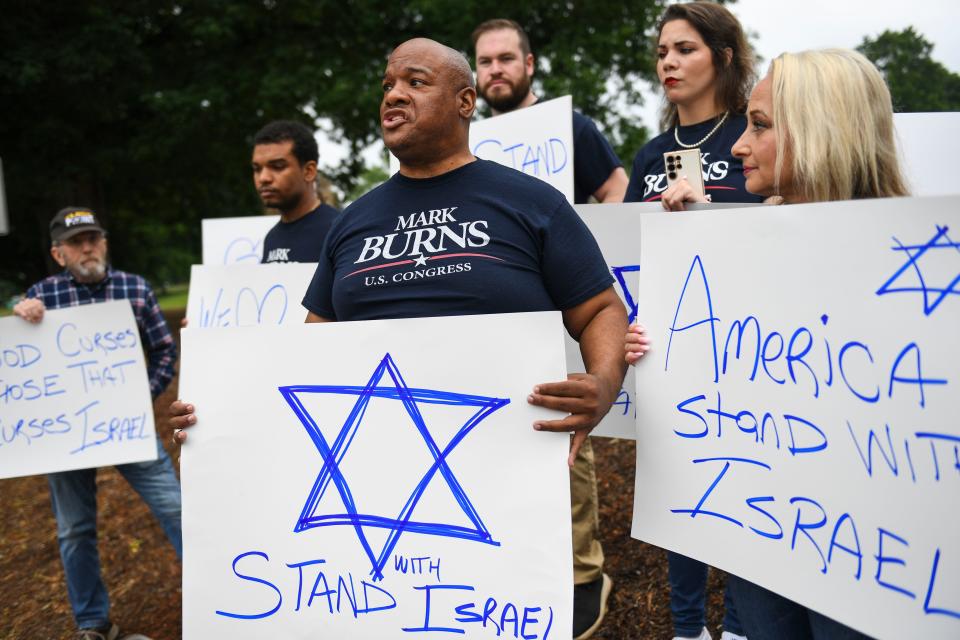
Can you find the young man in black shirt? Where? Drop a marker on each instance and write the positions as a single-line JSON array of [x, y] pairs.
[[284, 173]]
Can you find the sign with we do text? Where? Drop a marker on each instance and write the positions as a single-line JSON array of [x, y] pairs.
[[73, 391], [248, 294], [797, 420]]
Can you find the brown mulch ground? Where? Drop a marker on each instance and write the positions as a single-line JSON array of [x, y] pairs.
[[143, 575]]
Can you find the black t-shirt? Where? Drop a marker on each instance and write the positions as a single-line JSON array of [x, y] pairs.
[[593, 158], [722, 172], [300, 240], [482, 238]]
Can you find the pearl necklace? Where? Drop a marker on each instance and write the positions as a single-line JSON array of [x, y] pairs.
[[676, 135]]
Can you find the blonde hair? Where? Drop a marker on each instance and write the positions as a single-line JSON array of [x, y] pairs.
[[832, 112]]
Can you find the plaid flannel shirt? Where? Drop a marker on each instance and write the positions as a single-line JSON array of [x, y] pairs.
[[62, 290]]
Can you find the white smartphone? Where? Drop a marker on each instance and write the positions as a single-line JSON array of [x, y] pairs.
[[684, 164]]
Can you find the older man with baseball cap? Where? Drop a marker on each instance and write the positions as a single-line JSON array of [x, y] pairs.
[[79, 245]]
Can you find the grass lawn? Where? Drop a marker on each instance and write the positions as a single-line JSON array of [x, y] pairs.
[[175, 297]]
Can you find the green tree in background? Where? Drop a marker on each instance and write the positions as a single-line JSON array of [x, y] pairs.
[[916, 81], [145, 109]]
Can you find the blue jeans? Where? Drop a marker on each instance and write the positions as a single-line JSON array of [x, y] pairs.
[[769, 616], [688, 586], [74, 496]]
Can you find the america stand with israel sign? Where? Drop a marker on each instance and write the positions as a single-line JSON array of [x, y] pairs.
[[796, 419]]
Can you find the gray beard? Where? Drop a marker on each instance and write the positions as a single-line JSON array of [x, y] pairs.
[[91, 274]]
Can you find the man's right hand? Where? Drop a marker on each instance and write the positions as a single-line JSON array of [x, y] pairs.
[[30, 309], [181, 417]]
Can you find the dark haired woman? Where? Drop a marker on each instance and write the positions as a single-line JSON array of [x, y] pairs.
[[706, 70]]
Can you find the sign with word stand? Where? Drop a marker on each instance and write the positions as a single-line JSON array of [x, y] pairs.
[[796, 420], [73, 391], [537, 140], [375, 479], [235, 240], [248, 294]]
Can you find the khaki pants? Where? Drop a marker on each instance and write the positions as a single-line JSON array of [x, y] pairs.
[[587, 552]]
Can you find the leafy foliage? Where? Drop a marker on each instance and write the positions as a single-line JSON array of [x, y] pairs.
[[916, 81], [145, 109]]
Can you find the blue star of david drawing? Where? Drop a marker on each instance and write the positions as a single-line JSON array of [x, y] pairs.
[[333, 456], [618, 273], [932, 296]]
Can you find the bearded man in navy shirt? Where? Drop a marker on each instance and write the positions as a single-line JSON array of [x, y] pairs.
[[453, 235]]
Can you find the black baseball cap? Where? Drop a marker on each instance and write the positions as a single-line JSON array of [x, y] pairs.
[[73, 220]]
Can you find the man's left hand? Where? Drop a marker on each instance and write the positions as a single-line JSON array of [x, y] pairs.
[[30, 309], [586, 397]]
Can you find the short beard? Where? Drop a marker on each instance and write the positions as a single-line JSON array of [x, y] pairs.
[[512, 100], [285, 206], [90, 275]]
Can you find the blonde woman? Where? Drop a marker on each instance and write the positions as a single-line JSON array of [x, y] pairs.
[[819, 128]]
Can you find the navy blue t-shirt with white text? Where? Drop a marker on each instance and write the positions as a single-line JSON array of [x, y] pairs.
[[300, 240], [722, 171], [593, 158], [482, 238]]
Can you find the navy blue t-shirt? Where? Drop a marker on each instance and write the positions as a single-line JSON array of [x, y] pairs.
[[722, 172], [300, 240], [593, 158], [482, 238]]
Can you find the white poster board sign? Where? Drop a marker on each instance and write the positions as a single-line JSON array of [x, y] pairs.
[[796, 418], [235, 240], [928, 143], [248, 294], [73, 391], [537, 140], [375, 479], [616, 228]]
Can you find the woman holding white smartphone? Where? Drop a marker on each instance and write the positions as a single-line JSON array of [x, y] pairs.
[[705, 67]]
